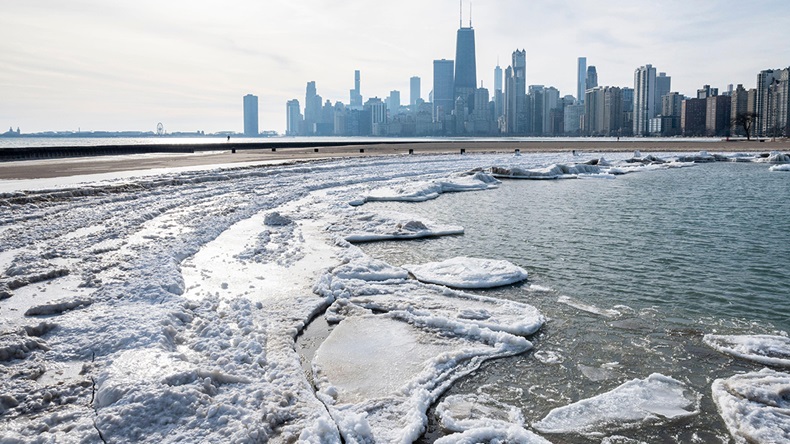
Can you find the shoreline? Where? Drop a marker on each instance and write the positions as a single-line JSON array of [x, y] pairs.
[[223, 154]]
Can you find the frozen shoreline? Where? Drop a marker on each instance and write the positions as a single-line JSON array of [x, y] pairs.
[[189, 297]]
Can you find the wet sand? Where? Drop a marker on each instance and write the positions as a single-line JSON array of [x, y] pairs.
[[219, 155]]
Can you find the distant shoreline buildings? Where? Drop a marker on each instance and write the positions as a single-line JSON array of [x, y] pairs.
[[457, 107]]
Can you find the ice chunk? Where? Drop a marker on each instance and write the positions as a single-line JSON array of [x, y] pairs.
[[655, 399], [422, 191], [765, 349], [493, 435], [369, 269], [275, 219], [555, 171], [782, 167], [59, 306], [755, 406], [378, 375], [459, 413], [368, 227], [468, 272]]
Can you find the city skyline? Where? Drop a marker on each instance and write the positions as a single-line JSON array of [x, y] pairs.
[[187, 64]]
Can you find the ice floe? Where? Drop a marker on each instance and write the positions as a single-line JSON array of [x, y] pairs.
[[400, 343], [555, 171], [369, 227], [783, 167], [764, 349], [422, 191], [755, 406], [655, 399], [468, 272]]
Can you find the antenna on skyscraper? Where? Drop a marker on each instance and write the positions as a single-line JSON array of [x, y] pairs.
[[470, 14], [460, 13]]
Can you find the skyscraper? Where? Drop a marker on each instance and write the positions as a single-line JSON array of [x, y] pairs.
[[663, 87], [592, 78], [356, 95], [516, 94], [465, 68], [644, 98], [414, 90], [312, 109], [581, 79], [293, 118], [250, 115], [442, 88], [499, 97]]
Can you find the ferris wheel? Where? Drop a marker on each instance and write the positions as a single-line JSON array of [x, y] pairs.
[[160, 129]]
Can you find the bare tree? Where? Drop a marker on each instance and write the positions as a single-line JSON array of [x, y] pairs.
[[745, 121]]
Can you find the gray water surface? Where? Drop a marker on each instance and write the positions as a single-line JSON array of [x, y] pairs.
[[667, 256]]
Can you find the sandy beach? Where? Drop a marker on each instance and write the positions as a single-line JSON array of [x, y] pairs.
[[219, 155]]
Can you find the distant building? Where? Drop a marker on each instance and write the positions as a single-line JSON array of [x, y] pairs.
[[603, 111], [773, 102], [393, 102], [294, 119], [443, 102], [663, 87], [581, 79], [717, 116], [516, 94], [706, 91], [251, 115], [693, 117], [414, 90], [644, 98], [551, 100], [356, 94], [573, 119], [739, 104], [671, 109], [499, 96], [465, 81], [312, 109], [628, 111], [592, 78]]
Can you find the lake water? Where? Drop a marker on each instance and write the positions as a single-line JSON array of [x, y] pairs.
[[631, 273]]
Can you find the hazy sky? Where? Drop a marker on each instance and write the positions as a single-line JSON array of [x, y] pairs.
[[126, 65]]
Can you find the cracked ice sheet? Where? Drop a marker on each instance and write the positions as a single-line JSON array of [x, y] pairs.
[[401, 361], [655, 399], [764, 349], [755, 406]]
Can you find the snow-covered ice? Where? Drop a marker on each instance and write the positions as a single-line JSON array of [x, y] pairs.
[[755, 406], [764, 349], [494, 435], [468, 272], [369, 227], [782, 167], [655, 399], [421, 191]]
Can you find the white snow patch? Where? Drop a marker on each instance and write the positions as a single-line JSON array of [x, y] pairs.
[[368, 227], [657, 398], [422, 191], [782, 167], [765, 349], [468, 272], [755, 406]]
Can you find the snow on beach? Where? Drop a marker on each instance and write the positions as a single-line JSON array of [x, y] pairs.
[[164, 307]]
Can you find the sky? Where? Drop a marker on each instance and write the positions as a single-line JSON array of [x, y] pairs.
[[113, 65]]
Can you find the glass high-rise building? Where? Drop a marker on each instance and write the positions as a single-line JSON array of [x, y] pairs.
[[442, 88], [250, 115], [414, 90], [644, 98], [465, 66], [581, 79]]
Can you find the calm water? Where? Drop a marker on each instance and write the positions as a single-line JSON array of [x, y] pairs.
[[675, 253]]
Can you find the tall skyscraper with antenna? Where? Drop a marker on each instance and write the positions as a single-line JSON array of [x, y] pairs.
[[465, 67]]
